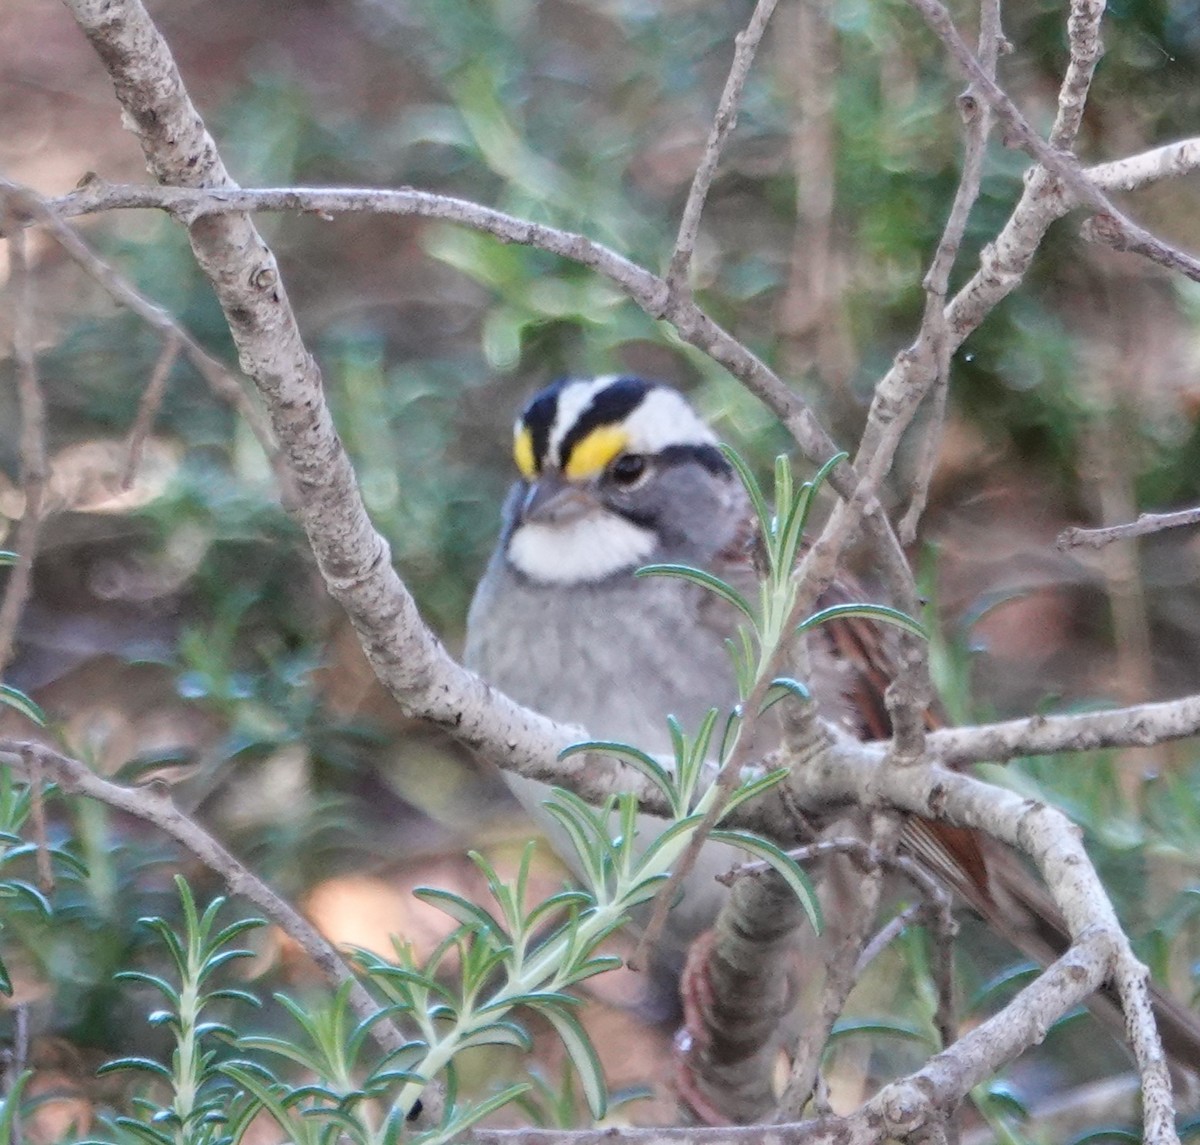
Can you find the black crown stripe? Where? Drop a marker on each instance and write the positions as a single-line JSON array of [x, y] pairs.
[[538, 417], [703, 454], [609, 406]]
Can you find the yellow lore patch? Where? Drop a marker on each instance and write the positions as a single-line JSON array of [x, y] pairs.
[[593, 452], [523, 452]]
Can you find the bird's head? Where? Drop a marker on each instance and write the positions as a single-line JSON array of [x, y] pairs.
[[615, 472]]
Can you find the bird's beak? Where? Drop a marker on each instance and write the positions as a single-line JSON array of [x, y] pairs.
[[553, 500]]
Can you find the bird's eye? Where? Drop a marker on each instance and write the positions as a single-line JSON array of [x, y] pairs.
[[628, 469]]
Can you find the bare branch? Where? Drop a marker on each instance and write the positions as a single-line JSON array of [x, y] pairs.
[[35, 469], [977, 121], [886, 935], [904, 1107], [851, 933], [1141, 725], [1132, 981], [1083, 36], [723, 124], [355, 562], [650, 292], [1112, 231], [37, 814], [217, 377], [934, 906], [1166, 162], [647, 290], [16, 1064], [1058, 163], [148, 407], [738, 987], [1076, 537]]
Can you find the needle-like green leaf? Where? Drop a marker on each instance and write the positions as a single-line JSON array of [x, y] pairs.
[[784, 864], [869, 612], [707, 580]]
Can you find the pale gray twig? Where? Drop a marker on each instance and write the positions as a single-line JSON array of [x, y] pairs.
[[1132, 980], [840, 972], [19, 1063], [898, 1111], [35, 474], [977, 122], [35, 468], [1083, 38], [1139, 725], [354, 562], [647, 290], [886, 935], [725, 120], [1060, 164], [148, 407], [1166, 162], [217, 377], [1076, 537]]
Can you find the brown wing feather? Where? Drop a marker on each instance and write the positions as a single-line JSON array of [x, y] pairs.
[[952, 852], [990, 878]]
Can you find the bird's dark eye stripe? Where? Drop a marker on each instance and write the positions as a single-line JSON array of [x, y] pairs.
[[707, 455], [611, 405]]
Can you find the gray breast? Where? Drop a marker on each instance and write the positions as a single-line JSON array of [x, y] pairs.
[[617, 657]]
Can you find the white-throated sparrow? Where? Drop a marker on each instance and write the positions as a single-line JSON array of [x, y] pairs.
[[616, 473]]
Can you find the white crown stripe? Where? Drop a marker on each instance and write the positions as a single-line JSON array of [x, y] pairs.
[[573, 399], [663, 418]]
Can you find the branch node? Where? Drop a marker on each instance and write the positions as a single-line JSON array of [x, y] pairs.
[[905, 1109]]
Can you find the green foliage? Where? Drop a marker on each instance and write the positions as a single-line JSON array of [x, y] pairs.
[[780, 535], [10, 1106], [16, 699], [25, 906], [204, 1107], [13, 697], [519, 956]]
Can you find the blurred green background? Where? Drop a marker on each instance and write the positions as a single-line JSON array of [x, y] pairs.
[[180, 630]]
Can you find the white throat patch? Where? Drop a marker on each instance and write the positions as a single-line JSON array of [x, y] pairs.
[[580, 551]]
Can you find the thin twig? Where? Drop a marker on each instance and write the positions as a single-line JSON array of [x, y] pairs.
[[725, 120], [1060, 164], [1076, 537], [1139, 725], [811, 319], [1083, 36], [34, 475], [148, 408], [977, 124], [840, 979], [886, 935], [20, 1063], [1132, 981], [215, 375], [740, 754], [35, 468], [37, 811], [647, 290], [1136, 171]]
